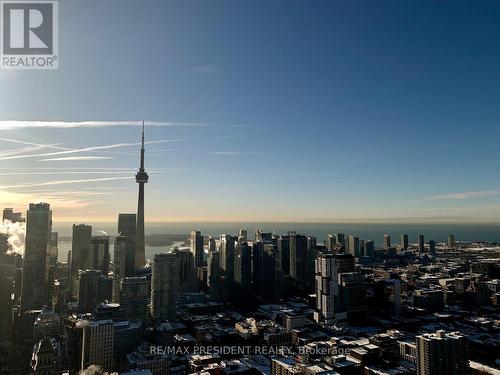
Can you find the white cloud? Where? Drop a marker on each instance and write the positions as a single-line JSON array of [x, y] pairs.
[[235, 153], [466, 195], [14, 124]]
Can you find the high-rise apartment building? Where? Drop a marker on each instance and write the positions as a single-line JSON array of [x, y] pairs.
[[34, 293], [354, 247], [420, 243], [97, 344], [119, 259], [80, 253], [404, 242], [451, 241], [164, 286], [127, 228], [99, 253], [387, 241], [442, 353], [134, 298], [298, 258], [328, 293], [197, 248]]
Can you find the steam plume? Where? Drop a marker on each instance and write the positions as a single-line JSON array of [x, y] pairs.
[[15, 233]]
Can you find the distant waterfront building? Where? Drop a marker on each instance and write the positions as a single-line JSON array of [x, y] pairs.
[[442, 353], [243, 235], [387, 241], [164, 286], [432, 247], [119, 258], [127, 228], [341, 239], [263, 236], [212, 244], [404, 241], [99, 254], [330, 242], [35, 263], [80, 253], [420, 243], [134, 298], [369, 249], [354, 246], [197, 248], [298, 258], [451, 241]]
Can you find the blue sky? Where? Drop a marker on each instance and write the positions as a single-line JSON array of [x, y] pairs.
[[267, 110]]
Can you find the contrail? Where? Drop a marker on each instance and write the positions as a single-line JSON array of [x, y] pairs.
[[64, 182], [41, 145], [85, 149], [11, 124]]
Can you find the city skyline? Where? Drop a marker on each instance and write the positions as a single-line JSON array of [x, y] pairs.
[[387, 126]]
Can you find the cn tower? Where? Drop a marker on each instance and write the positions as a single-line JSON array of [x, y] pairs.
[[141, 178]]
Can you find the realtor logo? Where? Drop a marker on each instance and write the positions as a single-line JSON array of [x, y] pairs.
[[29, 34]]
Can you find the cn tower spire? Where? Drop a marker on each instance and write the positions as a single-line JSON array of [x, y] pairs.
[[142, 149], [141, 178]]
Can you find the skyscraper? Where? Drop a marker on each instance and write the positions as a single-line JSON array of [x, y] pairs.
[[387, 241], [451, 241], [243, 234], [328, 293], [369, 248], [120, 251], [80, 253], [298, 258], [141, 178], [93, 289], [99, 250], [197, 248], [164, 286], [242, 270], [421, 246], [404, 241], [442, 353], [134, 293], [212, 245], [35, 265], [354, 246], [432, 247], [127, 228]]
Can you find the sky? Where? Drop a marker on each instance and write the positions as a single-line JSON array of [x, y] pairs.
[[261, 110]]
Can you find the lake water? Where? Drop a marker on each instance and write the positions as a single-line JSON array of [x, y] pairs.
[[368, 231]]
